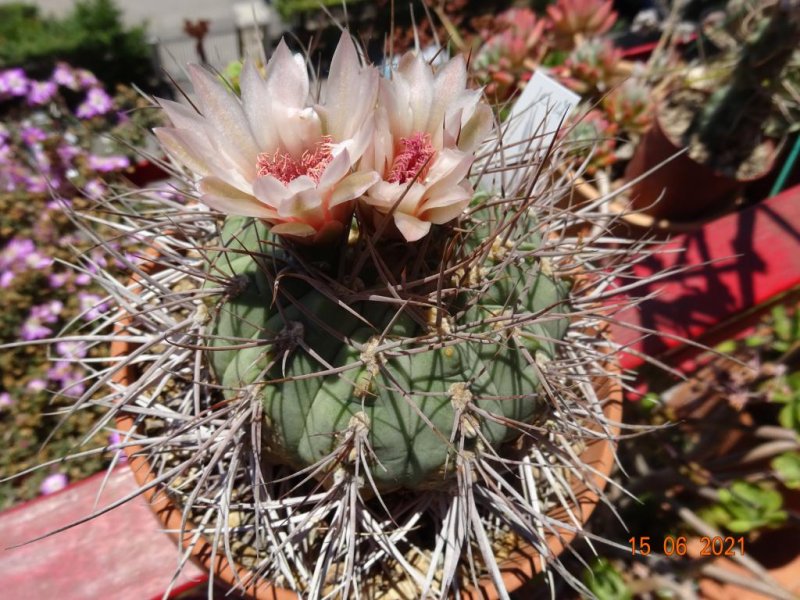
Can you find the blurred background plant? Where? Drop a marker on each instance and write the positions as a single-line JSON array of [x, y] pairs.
[[91, 37], [64, 140], [725, 462]]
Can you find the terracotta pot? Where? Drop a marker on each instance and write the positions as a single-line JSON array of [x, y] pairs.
[[517, 570], [682, 189]]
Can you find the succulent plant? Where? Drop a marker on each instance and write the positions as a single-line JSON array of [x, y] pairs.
[[357, 375], [572, 20], [630, 105], [729, 125], [592, 67], [507, 59], [590, 137]]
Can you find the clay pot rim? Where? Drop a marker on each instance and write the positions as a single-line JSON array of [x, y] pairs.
[[522, 566]]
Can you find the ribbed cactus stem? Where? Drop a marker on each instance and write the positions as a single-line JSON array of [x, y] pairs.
[[730, 125], [403, 390]]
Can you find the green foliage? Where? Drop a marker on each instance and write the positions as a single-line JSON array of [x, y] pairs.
[[786, 390], [787, 467], [396, 394], [744, 507], [605, 581], [291, 8], [92, 37], [786, 328]]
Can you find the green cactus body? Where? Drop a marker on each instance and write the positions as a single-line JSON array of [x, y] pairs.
[[410, 396]]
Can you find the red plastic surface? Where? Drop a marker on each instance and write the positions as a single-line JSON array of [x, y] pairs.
[[121, 555], [739, 264]]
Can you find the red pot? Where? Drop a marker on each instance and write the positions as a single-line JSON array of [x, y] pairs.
[[682, 189]]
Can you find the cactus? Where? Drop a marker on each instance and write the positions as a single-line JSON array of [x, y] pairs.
[[730, 124], [408, 428], [357, 375]]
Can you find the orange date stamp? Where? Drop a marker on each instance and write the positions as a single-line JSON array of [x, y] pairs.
[[677, 546]]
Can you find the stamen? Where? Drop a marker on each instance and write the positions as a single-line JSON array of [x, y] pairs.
[[285, 168], [414, 158]]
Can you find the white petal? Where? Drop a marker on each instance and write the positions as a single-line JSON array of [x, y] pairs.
[[411, 227], [257, 106], [420, 83], [456, 195], [351, 91], [187, 148], [301, 184], [476, 129], [270, 191], [305, 205], [335, 170], [227, 199], [182, 117], [383, 194], [449, 85], [353, 186], [224, 113], [299, 129], [287, 79], [295, 229], [449, 167]]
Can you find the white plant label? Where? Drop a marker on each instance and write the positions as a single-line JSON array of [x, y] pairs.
[[530, 128]]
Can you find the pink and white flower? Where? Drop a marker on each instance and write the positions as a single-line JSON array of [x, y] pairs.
[[273, 154], [429, 126]]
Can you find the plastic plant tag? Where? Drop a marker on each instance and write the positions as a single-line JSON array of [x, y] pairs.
[[529, 129]]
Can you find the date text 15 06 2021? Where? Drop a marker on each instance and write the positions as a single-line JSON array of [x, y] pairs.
[[676, 546]]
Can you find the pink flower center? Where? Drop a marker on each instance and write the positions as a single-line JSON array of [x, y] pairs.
[[414, 158], [285, 168]]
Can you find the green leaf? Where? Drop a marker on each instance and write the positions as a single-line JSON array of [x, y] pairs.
[[787, 467], [744, 507], [726, 347], [755, 341], [781, 323], [605, 581]]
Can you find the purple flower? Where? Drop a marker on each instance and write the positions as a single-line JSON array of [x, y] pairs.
[[68, 153], [106, 164], [36, 385], [115, 439], [18, 255], [64, 75], [97, 103], [86, 79], [35, 326], [57, 280], [5, 153], [71, 350], [41, 92], [31, 135], [91, 306], [53, 483], [13, 82], [95, 189], [83, 279], [71, 380], [6, 399]]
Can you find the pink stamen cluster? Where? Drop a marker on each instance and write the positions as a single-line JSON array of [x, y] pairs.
[[285, 168], [414, 158]]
